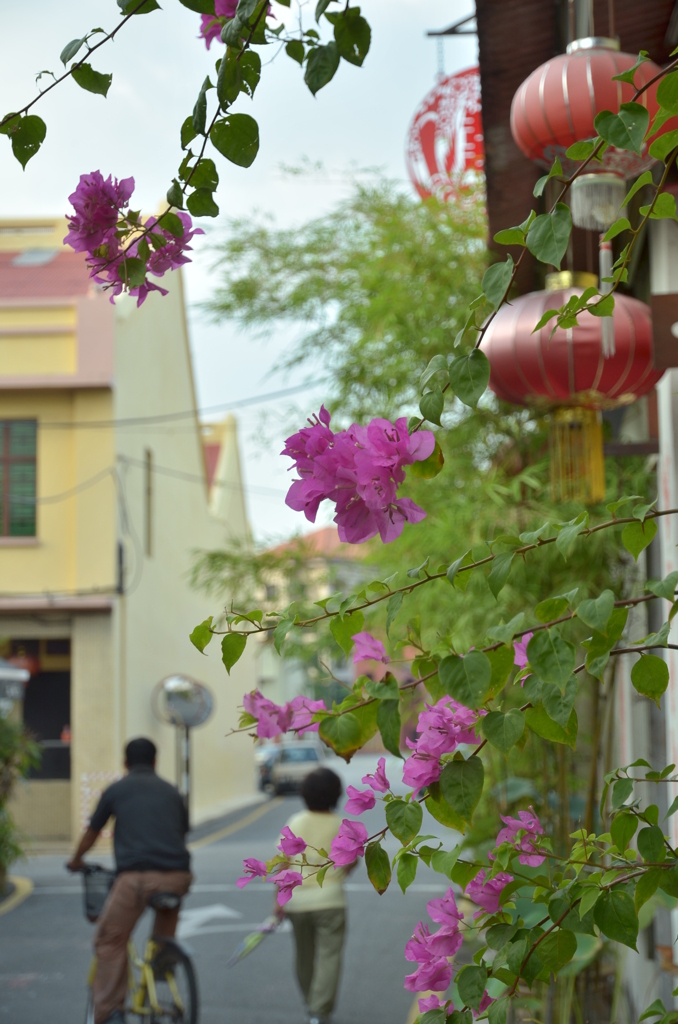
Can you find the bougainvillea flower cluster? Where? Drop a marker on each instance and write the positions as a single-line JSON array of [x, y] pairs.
[[210, 26], [349, 843], [442, 727], [122, 251], [432, 950], [274, 719], [360, 470], [520, 832]]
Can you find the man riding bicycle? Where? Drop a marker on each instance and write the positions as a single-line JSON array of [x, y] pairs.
[[151, 822]]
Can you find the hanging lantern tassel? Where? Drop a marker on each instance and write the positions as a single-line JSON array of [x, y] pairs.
[[577, 461], [605, 264]]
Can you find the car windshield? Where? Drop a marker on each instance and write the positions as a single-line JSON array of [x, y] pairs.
[[299, 755]]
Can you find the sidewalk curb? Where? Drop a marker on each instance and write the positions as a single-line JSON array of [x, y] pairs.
[[23, 887]]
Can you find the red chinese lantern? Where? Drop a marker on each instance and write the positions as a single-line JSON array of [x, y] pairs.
[[445, 140], [568, 376], [556, 106]]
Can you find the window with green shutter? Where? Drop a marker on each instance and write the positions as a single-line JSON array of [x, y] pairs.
[[17, 477]]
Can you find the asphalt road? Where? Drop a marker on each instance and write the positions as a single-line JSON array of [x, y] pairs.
[[45, 942]]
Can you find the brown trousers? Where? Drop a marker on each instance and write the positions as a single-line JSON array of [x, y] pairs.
[[126, 903]]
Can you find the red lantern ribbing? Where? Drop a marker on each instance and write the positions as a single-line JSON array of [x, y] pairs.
[[567, 375]]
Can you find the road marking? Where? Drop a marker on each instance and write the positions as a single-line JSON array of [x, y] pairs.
[[214, 837], [23, 887], [192, 921]]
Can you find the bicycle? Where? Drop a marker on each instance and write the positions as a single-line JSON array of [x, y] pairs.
[[162, 986]]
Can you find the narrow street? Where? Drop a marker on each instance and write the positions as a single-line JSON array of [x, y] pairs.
[[45, 942]]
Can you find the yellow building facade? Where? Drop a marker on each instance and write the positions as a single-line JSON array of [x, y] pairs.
[[104, 497]]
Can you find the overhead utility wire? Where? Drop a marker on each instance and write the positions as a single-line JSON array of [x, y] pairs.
[[170, 417]]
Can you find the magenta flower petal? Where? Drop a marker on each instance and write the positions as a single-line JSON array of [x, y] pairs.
[[367, 646], [358, 801]]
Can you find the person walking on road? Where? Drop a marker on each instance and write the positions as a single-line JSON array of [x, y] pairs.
[[318, 914], [151, 822]]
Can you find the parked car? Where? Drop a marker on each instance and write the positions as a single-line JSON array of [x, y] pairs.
[[293, 764]]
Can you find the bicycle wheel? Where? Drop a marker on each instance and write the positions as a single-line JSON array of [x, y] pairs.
[[175, 984]]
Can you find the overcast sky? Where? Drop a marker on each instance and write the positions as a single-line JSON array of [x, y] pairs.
[[359, 120]]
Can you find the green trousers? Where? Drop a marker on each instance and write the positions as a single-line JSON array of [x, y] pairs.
[[319, 938]]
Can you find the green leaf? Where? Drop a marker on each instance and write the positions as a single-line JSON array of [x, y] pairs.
[[232, 647], [199, 6], [127, 6], [615, 915], [352, 35], [466, 679], [436, 365], [70, 50], [404, 819], [280, 632], [629, 74], [557, 949], [132, 272], [188, 132], [496, 280], [431, 406], [385, 689], [623, 829], [555, 607], [625, 130], [503, 730], [664, 207], [551, 657], [461, 784], [320, 9], [500, 572], [443, 861], [407, 870], [378, 867], [669, 882], [205, 175], [321, 66], [657, 1009], [567, 535], [663, 146], [429, 468], [388, 721], [510, 236], [596, 613], [589, 898], [614, 506], [581, 150], [497, 1011], [650, 676], [549, 235], [471, 981], [651, 844], [459, 563], [199, 119], [501, 662], [175, 196], [469, 377], [438, 808], [393, 606], [506, 632], [672, 809], [237, 138], [664, 588], [667, 93], [201, 204], [202, 634], [229, 80], [250, 63], [641, 182], [90, 80], [621, 791], [342, 733], [623, 224], [539, 722], [343, 627], [26, 135], [556, 171], [295, 50], [557, 705]]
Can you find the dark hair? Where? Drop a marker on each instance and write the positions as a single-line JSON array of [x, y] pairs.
[[321, 789], [140, 751]]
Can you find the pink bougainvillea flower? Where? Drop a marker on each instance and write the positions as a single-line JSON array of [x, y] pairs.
[[444, 910], [367, 646], [378, 782], [359, 800], [253, 869], [486, 893], [420, 769], [210, 24], [526, 822], [484, 1003], [287, 881], [360, 470], [296, 715], [520, 650], [445, 942], [266, 713], [433, 1003], [434, 976], [290, 844], [349, 843]]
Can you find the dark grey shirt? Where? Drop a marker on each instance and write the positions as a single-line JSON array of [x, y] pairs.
[[150, 822]]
